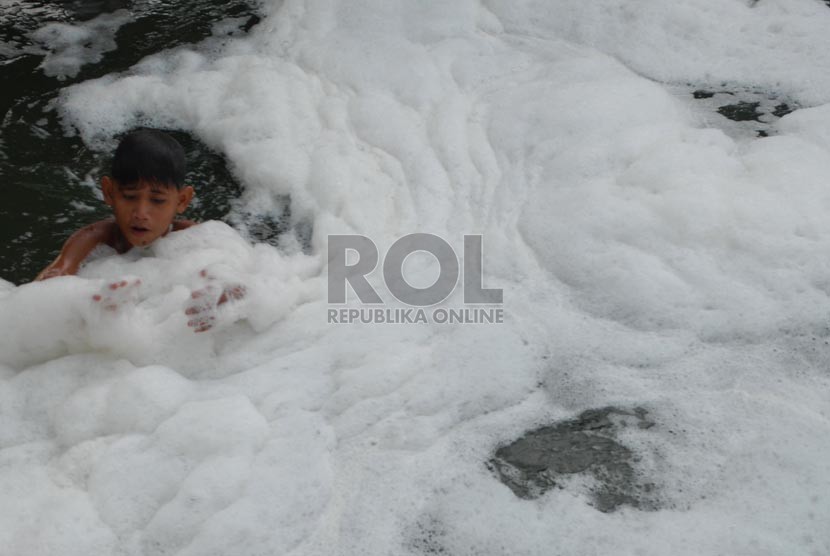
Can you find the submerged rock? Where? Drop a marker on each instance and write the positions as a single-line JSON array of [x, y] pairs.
[[545, 457]]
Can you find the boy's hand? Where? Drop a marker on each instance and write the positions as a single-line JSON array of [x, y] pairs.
[[52, 271], [117, 294], [205, 303]]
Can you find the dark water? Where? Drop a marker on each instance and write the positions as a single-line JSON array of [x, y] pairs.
[[48, 179]]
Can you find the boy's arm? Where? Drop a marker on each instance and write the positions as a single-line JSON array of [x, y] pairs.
[[76, 249]]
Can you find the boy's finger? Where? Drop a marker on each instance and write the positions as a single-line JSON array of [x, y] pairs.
[[236, 293], [200, 293], [123, 283]]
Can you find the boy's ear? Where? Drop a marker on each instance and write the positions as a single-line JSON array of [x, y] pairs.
[[185, 196], [108, 189]]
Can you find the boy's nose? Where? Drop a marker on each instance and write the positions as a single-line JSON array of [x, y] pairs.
[[141, 209]]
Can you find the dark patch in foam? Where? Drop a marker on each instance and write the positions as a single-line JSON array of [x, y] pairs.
[[250, 23], [543, 458], [268, 225], [741, 111], [750, 111], [782, 110], [427, 537], [700, 93]]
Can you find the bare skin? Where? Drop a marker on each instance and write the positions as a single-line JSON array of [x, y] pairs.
[[142, 212], [81, 243]]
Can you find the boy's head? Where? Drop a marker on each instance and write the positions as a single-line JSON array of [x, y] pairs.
[[149, 155], [146, 189]]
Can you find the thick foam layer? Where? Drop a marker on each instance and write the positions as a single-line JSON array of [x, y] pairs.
[[774, 44], [645, 262]]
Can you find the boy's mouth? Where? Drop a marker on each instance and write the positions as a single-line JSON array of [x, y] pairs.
[[139, 229]]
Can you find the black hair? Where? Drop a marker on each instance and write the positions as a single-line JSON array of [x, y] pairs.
[[149, 155]]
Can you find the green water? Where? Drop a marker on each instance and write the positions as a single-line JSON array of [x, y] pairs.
[[48, 180]]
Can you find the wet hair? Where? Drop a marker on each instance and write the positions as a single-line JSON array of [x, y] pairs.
[[148, 155]]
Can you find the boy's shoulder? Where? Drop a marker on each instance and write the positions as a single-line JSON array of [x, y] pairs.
[[100, 230], [77, 247], [183, 224]]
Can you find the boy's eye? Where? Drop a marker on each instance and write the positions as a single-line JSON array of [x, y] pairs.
[[158, 201]]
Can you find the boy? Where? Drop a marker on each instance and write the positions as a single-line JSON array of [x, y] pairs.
[[146, 191]]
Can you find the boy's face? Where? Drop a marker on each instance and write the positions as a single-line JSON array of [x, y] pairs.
[[144, 211]]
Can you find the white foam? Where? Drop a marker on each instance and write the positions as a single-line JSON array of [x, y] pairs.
[[645, 261], [70, 46], [772, 44]]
